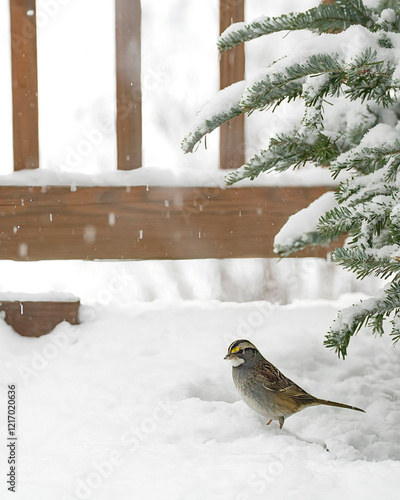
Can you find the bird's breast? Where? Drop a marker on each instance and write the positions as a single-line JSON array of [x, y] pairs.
[[254, 394]]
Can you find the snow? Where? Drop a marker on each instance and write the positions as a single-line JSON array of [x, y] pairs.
[[378, 136], [154, 176], [102, 284], [374, 183], [224, 101], [139, 403], [306, 220], [35, 297], [395, 213], [372, 3], [253, 8], [238, 26], [313, 85], [388, 16]]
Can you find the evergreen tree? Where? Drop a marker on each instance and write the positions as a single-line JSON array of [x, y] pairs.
[[347, 74]]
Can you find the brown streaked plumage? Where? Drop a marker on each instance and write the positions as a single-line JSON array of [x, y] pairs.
[[265, 389]]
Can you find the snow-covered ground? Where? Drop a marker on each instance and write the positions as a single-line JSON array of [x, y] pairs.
[[139, 403]]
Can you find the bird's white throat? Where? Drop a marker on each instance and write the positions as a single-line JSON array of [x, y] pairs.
[[236, 362]]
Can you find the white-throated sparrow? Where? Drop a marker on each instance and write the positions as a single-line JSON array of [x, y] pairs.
[[265, 389]]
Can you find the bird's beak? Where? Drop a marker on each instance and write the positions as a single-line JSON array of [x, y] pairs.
[[234, 359]]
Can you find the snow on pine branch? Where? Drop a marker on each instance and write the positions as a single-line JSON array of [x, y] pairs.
[[332, 17], [353, 62], [301, 228], [370, 312], [288, 151], [380, 146], [382, 262], [222, 108]]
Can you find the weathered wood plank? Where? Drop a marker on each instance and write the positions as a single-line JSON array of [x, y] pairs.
[[145, 223], [129, 96], [232, 68], [24, 84], [37, 318]]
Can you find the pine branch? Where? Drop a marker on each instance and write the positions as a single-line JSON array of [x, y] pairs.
[[355, 134], [365, 78], [365, 264], [288, 84], [222, 108], [364, 188], [314, 117], [190, 141], [338, 221], [357, 8], [387, 4], [300, 230], [370, 79], [369, 159], [396, 326], [393, 163], [370, 312], [361, 78], [287, 151], [322, 19], [313, 239], [365, 220]]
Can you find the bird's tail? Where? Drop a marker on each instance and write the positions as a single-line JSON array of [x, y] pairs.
[[339, 405]]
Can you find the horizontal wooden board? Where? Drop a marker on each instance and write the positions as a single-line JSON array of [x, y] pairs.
[[34, 319], [38, 223]]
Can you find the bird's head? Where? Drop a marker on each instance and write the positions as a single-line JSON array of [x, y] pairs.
[[240, 352]]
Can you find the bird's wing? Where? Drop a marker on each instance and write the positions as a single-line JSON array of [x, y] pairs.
[[277, 382]]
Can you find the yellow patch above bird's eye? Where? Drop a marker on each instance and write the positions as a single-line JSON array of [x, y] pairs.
[[236, 349]]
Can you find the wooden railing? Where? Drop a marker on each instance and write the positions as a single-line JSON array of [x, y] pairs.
[[134, 222]]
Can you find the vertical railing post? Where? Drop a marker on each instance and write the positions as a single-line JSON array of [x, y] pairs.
[[232, 67], [24, 84], [129, 96]]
